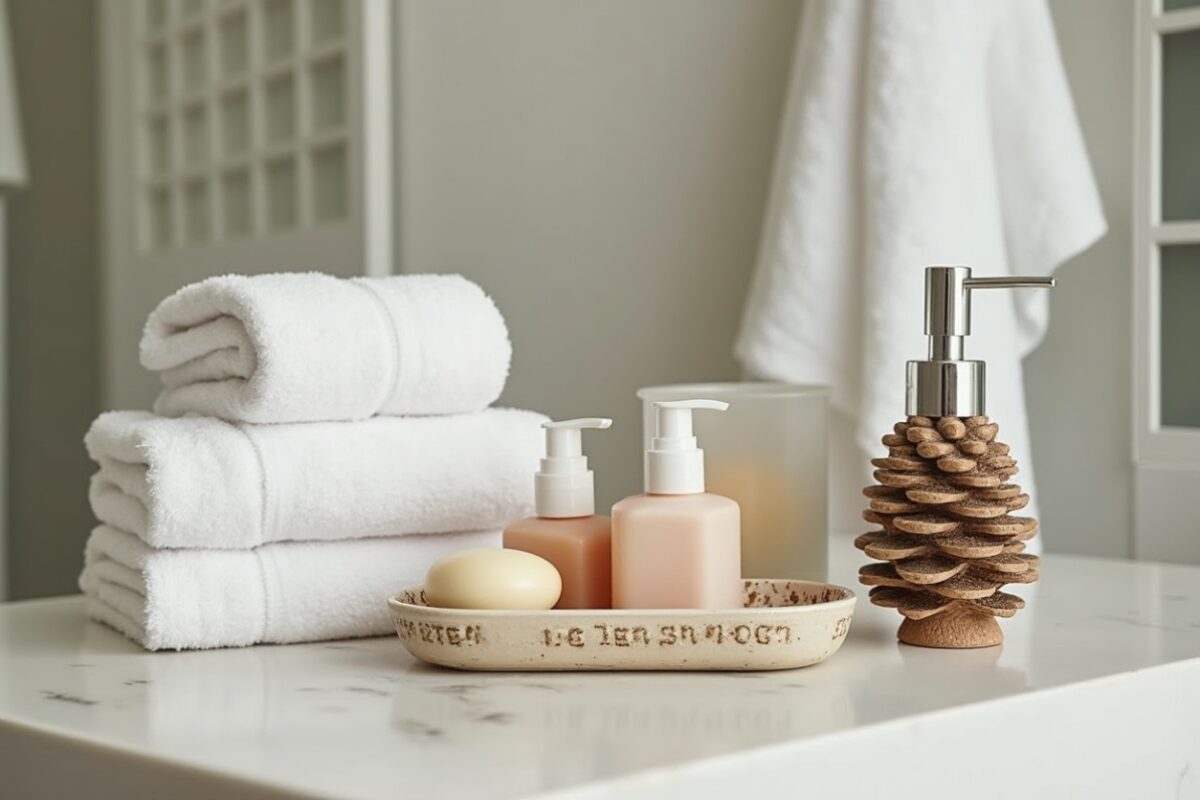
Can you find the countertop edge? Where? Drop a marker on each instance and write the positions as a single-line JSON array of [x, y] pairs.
[[1167, 729]]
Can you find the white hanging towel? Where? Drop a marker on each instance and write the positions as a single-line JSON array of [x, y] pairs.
[[916, 133]]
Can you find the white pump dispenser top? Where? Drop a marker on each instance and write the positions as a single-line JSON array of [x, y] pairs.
[[564, 486], [674, 464]]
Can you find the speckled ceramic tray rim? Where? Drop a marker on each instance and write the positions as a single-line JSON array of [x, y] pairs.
[[791, 624]]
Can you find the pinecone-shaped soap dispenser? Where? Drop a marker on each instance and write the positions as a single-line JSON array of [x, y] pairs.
[[944, 499]]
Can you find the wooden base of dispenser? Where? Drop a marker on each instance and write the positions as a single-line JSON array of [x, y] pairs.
[[957, 627]]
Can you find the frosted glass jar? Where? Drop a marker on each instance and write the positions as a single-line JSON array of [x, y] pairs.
[[769, 452]]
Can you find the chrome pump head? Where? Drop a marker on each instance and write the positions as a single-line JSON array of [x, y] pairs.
[[946, 385]]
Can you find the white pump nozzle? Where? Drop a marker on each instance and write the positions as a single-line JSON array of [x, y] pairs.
[[563, 487], [674, 464]]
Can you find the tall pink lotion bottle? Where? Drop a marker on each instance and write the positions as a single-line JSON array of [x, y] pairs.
[[677, 546], [566, 531]]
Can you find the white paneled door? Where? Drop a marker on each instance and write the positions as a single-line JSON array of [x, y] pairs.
[[241, 136], [1167, 282]]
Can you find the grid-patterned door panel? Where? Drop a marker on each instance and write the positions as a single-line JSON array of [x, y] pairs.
[[242, 118], [244, 136]]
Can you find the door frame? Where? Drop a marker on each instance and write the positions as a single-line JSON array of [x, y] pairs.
[[1166, 459]]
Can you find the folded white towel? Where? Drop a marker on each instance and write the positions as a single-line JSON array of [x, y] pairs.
[[278, 593], [202, 482], [308, 347]]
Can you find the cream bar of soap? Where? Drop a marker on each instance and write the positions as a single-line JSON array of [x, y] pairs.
[[493, 578]]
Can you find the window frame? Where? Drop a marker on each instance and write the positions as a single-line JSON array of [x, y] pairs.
[[1166, 459], [1155, 446]]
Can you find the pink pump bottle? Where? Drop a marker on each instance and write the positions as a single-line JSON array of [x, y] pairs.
[[566, 531], [677, 546]]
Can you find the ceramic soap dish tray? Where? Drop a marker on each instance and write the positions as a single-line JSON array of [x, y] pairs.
[[785, 624]]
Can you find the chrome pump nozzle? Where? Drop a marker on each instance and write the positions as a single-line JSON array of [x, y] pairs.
[[946, 385]]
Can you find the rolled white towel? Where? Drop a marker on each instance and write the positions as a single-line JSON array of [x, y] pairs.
[[303, 347], [278, 593], [205, 483]]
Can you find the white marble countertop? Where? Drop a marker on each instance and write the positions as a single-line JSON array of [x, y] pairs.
[[1095, 693]]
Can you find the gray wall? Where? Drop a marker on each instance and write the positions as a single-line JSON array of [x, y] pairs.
[[601, 169], [53, 296], [1079, 383]]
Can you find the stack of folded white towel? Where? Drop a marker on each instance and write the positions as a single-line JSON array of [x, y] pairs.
[[318, 443]]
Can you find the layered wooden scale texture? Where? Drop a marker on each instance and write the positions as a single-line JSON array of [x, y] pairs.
[[948, 540]]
